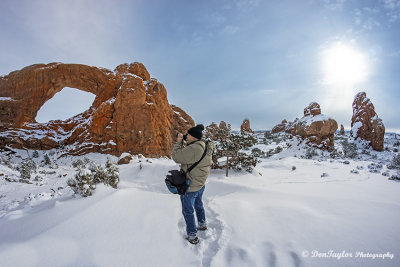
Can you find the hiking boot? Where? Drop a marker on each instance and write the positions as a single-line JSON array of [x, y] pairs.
[[193, 240], [202, 227]]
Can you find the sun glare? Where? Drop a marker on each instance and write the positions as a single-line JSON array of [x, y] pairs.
[[342, 64]]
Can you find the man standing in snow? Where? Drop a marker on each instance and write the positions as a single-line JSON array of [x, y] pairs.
[[187, 156]]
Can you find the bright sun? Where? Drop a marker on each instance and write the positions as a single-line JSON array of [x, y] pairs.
[[342, 64]]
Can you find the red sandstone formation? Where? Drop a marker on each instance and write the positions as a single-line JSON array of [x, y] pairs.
[[223, 125], [312, 109], [280, 127], [211, 130], [245, 127], [365, 123], [130, 113], [285, 126], [341, 129], [316, 128]]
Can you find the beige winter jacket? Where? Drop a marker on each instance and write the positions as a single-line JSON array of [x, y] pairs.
[[190, 154]]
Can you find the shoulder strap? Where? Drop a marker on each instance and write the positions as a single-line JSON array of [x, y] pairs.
[[202, 157]]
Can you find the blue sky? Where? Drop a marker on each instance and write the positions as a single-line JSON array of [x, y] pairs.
[[223, 59]]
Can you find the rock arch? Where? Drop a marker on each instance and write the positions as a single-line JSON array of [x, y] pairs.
[[32, 86], [130, 113]]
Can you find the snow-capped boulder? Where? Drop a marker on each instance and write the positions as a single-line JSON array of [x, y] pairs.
[[365, 123], [125, 158], [317, 129], [130, 113]]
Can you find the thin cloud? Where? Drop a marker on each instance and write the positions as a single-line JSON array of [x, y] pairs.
[[365, 18], [334, 4], [230, 29], [392, 8]]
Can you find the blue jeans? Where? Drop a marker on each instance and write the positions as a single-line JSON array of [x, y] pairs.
[[192, 201]]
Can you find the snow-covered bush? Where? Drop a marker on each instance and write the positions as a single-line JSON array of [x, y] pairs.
[[225, 140], [6, 162], [349, 149], [61, 144], [77, 163], [310, 153], [38, 178], [334, 154], [395, 164], [268, 135], [267, 138], [366, 152], [98, 172], [396, 161], [258, 152], [35, 154], [27, 167], [87, 177], [83, 183], [46, 160], [112, 177], [278, 149], [395, 177], [243, 162], [375, 167]]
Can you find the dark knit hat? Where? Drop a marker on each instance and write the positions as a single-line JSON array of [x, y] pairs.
[[196, 131]]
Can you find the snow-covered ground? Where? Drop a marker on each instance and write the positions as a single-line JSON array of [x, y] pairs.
[[291, 211]]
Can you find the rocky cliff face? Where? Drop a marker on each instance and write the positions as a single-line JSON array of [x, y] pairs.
[[130, 113], [365, 123], [316, 128]]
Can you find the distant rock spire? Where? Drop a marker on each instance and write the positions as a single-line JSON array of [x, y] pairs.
[[365, 123]]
